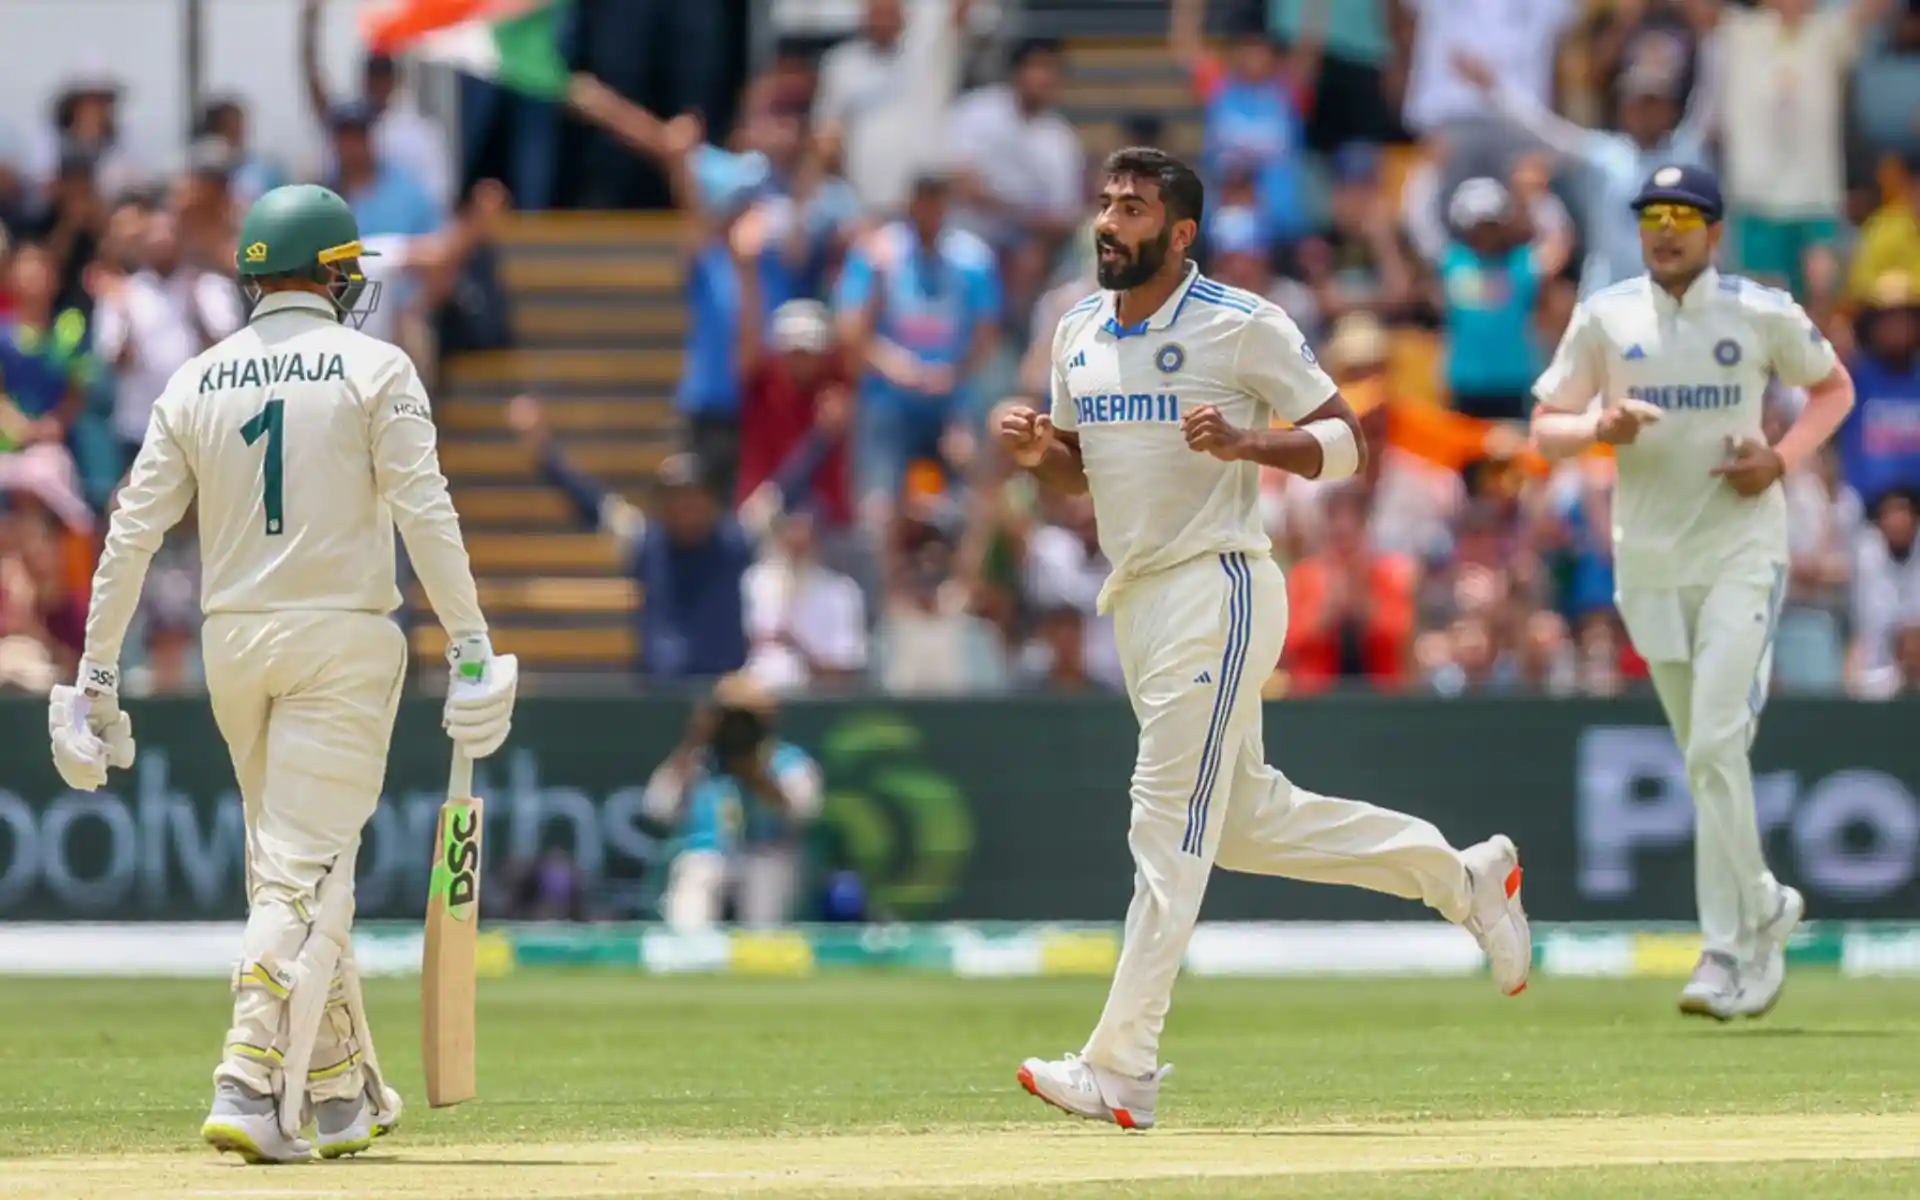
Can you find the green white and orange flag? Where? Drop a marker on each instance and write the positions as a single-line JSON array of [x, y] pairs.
[[515, 43]]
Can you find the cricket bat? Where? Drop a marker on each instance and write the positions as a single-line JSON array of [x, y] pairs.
[[453, 926]]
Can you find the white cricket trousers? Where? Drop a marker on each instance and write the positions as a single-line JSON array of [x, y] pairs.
[[1710, 653], [306, 702], [1197, 642]]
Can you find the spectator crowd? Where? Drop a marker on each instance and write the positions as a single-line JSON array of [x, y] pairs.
[[880, 238], [113, 275]]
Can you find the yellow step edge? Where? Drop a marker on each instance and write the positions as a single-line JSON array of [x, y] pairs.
[[572, 228], [533, 505], [568, 416], [564, 366], [663, 321], [611, 646], [528, 553], [1170, 99], [510, 459], [606, 595], [616, 275]]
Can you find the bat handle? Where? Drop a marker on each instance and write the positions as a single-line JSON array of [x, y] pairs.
[[460, 778]]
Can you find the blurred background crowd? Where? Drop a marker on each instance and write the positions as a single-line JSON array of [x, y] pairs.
[[877, 222]]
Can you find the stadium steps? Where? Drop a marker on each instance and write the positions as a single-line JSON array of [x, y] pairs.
[[608, 647], [599, 328], [1110, 79]]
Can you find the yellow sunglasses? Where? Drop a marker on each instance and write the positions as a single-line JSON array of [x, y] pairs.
[[1683, 217]]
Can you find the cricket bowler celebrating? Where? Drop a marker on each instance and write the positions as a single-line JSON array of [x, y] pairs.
[[304, 442], [1670, 368], [1163, 392]]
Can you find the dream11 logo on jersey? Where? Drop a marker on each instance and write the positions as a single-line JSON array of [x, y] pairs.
[[1850, 837]]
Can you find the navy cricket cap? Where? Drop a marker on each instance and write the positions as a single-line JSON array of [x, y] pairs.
[[1690, 185]]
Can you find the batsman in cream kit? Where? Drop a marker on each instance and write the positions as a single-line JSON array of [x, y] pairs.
[[1164, 390], [303, 443]]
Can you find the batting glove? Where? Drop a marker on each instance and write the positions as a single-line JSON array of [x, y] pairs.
[[86, 728], [480, 694]]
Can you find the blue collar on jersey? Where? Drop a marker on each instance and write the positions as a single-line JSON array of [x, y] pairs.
[[1706, 285], [1164, 319]]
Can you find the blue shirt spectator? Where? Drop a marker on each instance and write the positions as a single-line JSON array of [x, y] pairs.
[[688, 561], [710, 375], [725, 183], [1652, 133], [1255, 100], [387, 201], [926, 302], [1880, 442], [1490, 299], [393, 204]]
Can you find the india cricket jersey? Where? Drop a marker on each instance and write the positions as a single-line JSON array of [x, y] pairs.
[[304, 442], [1123, 389], [1704, 360]]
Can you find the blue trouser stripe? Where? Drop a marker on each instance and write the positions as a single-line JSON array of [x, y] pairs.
[[1232, 659], [1243, 578]]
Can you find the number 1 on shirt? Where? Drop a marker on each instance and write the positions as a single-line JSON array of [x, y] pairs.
[[269, 421]]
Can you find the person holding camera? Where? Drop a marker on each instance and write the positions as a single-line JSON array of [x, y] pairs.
[[740, 799]]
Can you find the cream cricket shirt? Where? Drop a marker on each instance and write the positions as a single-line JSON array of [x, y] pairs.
[[305, 442], [1704, 361], [1123, 389]]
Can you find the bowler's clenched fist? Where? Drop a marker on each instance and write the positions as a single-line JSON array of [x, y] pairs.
[[1207, 431], [1026, 435]]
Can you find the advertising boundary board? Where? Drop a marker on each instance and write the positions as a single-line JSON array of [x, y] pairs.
[[1004, 809]]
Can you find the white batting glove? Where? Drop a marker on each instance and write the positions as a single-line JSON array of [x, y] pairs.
[[86, 728], [480, 693]]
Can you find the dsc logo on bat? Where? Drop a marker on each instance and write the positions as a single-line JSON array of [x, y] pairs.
[[460, 858]]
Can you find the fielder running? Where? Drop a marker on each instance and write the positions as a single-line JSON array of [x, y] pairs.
[[304, 443], [1679, 360], [1163, 393]]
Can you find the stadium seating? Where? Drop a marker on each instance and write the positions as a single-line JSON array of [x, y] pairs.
[[599, 326]]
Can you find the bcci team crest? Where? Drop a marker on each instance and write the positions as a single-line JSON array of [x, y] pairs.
[[1666, 177], [1306, 352], [257, 252], [1170, 357], [1726, 352]]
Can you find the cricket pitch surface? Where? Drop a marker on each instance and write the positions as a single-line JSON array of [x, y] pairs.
[[960, 1164]]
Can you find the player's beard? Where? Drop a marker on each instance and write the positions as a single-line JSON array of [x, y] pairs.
[[1139, 265]]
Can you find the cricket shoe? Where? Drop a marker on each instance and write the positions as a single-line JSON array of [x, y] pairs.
[[349, 1126], [1763, 977], [1714, 989], [245, 1123], [1074, 1085], [1496, 918]]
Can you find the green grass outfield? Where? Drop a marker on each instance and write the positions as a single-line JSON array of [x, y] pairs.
[[597, 1085]]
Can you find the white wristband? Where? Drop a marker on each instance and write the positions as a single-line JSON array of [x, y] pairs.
[[1339, 453], [97, 678]]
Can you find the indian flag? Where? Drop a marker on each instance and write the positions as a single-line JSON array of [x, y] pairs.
[[515, 43]]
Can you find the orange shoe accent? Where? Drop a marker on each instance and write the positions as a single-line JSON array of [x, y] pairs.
[[1513, 882], [1123, 1118], [1518, 990], [1026, 1081]]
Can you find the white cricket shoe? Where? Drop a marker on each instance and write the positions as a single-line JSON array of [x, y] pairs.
[[1714, 989], [1496, 919], [245, 1123], [1073, 1085], [1764, 975], [344, 1127]]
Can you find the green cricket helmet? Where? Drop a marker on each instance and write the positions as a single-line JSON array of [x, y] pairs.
[[307, 232]]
